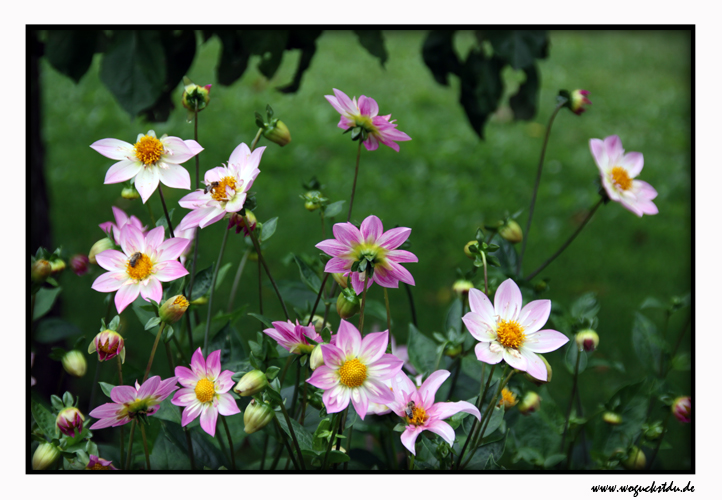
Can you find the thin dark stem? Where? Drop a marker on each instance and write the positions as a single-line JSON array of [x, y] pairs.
[[189, 442], [260, 289], [659, 442], [265, 449], [285, 442], [328, 305], [152, 352], [165, 210], [571, 400], [96, 377], [355, 176], [195, 136], [293, 436], [486, 282], [348, 445], [334, 431], [192, 281], [479, 402], [145, 447], [456, 368], [305, 396], [677, 344], [223, 446], [568, 242], [294, 398], [122, 427], [237, 279], [411, 304], [664, 341], [175, 340], [257, 246], [323, 225], [341, 427], [388, 310], [318, 297], [230, 442], [560, 105], [363, 304], [150, 213], [213, 289], [130, 445]]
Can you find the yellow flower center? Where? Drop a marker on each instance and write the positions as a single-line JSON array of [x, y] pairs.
[[204, 390], [352, 373], [510, 334], [139, 266], [366, 123], [419, 416], [218, 189], [621, 178], [508, 399], [372, 250], [149, 150], [98, 466]]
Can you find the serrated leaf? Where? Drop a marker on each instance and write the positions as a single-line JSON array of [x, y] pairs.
[[44, 419], [333, 209], [44, 300], [646, 342], [304, 437], [269, 228], [202, 282], [570, 359], [481, 88], [308, 275]]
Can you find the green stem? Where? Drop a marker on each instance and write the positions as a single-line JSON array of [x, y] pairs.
[[363, 304], [677, 344], [411, 304], [260, 289], [145, 447], [348, 445], [96, 378], [355, 176], [255, 139], [165, 211], [318, 297], [571, 400], [213, 287], [486, 282], [334, 430], [195, 136], [192, 281], [411, 461], [230, 442], [388, 310], [152, 352], [560, 105], [293, 436], [305, 396], [479, 402], [294, 398], [659, 442], [130, 445], [566, 243], [257, 246], [237, 279], [285, 441], [122, 427]]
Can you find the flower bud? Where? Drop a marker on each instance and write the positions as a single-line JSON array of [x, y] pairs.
[[108, 344], [530, 403], [317, 322], [256, 416], [549, 373], [57, 266], [251, 383], [312, 200], [74, 363], [453, 351], [347, 303], [195, 95], [240, 222], [682, 409], [635, 459], [462, 287], [316, 357], [173, 309], [587, 340], [340, 279], [277, 132], [511, 231], [612, 418], [508, 399], [79, 264], [653, 431], [99, 246], [467, 252], [130, 193], [70, 421], [39, 271], [577, 101], [45, 455], [97, 463]]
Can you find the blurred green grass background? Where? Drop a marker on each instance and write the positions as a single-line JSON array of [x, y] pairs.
[[443, 184]]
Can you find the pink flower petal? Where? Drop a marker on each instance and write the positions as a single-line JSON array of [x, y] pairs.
[[515, 359], [131, 240], [171, 270], [633, 163], [333, 248], [236, 204], [240, 154], [148, 388], [154, 238], [193, 146], [373, 346], [371, 229], [484, 353], [122, 171], [385, 368], [360, 401], [477, 328], [408, 438], [372, 144], [186, 376], [613, 147], [184, 396], [545, 341], [125, 296], [401, 273], [153, 290], [213, 365], [443, 411], [172, 248], [442, 429], [212, 217], [123, 394], [177, 151], [336, 399], [112, 260], [599, 153], [534, 315], [333, 357], [367, 106], [347, 234], [224, 382], [175, 176], [114, 149], [507, 301], [481, 305], [401, 255], [534, 365], [108, 282], [428, 389], [191, 412], [324, 377], [349, 339], [227, 405], [198, 364], [209, 417], [347, 105]]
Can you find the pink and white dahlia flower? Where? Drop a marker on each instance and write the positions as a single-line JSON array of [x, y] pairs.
[[356, 370], [205, 391], [364, 114], [97, 463], [417, 408], [293, 338], [618, 171], [145, 261], [130, 402], [508, 331], [121, 219], [225, 191], [150, 160], [375, 251]]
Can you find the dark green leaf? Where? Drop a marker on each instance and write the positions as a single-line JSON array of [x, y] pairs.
[[269, 227], [168, 411], [106, 388], [585, 307], [483, 453], [133, 69], [333, 209], [44, 419], [152, 323], [202, 282], [269, 44], [266, 321], [481, 88], [305, 40], [422, 351], [71, 51], [52, 330], [439, 55], [453, 316], [44, 300], [524, 102], [373, 41], [304, 437], [646, 342], [234, 57], [653, 303], [167, 455], [519, 47], [204, 452], [308, 275], [553, 460], [570, 359]]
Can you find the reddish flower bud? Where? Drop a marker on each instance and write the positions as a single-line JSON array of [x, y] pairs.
[[79, 264], [70, 421], [682, 409]]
